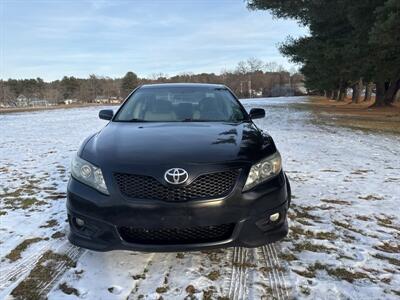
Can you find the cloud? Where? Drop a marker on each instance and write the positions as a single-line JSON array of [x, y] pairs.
[[80, 38]]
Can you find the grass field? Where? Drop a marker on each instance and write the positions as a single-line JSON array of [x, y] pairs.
[[344, 219]]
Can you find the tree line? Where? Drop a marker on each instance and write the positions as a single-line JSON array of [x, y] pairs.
[[351, 44], [250, 78]]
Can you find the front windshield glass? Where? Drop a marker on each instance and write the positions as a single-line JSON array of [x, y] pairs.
[[181, 104]]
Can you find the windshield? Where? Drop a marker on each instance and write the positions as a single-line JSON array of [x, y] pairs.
[[181, 104]]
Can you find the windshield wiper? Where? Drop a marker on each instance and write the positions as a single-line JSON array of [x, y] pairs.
[[204, 120], [195, 120], [136, 120]]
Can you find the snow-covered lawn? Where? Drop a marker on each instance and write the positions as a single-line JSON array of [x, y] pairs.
[[344, 219]]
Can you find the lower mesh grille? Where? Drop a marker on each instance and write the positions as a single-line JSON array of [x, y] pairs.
[[177, 236]]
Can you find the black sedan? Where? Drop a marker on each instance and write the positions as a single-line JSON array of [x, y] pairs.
[[178, 167]]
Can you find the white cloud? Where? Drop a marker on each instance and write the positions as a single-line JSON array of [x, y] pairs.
[[100, 37]]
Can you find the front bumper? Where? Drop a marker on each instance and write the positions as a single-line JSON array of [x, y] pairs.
[[248, 212]]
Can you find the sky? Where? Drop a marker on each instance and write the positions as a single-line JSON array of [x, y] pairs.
[[53, 38]]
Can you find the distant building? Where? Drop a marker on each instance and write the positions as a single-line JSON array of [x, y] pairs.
[[101, 99], [282, 90], [70, 101], [300, 88], [105, 99], [256, 93], [21, 101], [115, 100], [34, 102]]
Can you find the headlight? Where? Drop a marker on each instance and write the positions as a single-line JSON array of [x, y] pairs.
[[88, 174], [263, 170]]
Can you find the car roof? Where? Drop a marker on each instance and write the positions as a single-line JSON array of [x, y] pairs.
[[199, 85]]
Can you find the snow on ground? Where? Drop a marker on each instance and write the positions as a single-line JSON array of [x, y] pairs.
[[344, 219]]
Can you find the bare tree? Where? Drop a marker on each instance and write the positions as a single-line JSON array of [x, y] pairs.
[[271, 66], [254, 65]]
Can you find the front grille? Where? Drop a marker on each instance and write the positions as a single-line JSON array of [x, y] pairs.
[[207, 186], [177, 236]]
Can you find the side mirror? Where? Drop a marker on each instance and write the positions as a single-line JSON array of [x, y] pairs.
[[106, 114], [257, 113]]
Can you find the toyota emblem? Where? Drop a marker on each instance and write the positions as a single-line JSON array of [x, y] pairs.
[[176, 176]]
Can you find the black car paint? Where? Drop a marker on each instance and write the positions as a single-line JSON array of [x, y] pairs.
[[151, 148], [176, 143]]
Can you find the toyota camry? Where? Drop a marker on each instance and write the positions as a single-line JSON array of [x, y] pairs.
[[178, 167]]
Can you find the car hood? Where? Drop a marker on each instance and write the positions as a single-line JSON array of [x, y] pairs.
[[176, 143]]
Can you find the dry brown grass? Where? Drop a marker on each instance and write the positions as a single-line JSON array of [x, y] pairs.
[[66, 289], [297, 231], [15, 254], [42, 273], [391, 260], [308, 246], [389, 248], [213, 275], [49, 224], [340, 273], [360, 116], [335, 201]]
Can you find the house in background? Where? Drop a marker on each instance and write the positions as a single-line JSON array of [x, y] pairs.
[[21, 101], [105, 99], [70, 101], [35, 102], [299, 88], [256, 93], [115, 100], [101, 99]]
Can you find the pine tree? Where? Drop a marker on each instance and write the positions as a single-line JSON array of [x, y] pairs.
[[350, 42], [129, 82]]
